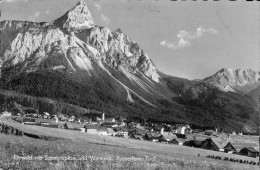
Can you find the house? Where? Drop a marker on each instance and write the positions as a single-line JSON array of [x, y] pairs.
[[62, 117], [108, 124], [235, 147], [180, 135], [71, 119], [45, 115], [138, 126], [209, 132], [140, 132], [79, 120], [120, 119], [44, 122], [167, 137], [177, 141], [249, 151], [123, 131], [216, 144], [55, 119], [111, 132], [185, 129], [98, 119], [6, 114], [34, 115], [110, 120], [28, 121], [91, 129], [196, 143], [102, 131], [154, 137], [73, 126]]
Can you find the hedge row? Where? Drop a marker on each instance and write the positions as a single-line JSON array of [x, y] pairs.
[[10, 130]]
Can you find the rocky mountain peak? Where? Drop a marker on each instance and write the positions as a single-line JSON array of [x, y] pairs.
[[76, 19], [228, 79], [72, 43]]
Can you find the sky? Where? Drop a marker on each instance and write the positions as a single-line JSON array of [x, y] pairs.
[[189, 39]]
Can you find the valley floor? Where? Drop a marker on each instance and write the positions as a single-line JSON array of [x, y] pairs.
[[103, 152]]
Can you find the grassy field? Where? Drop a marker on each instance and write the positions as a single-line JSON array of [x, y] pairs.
[[113, 152]]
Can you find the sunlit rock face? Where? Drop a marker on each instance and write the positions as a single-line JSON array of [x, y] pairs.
[[76, 19], [71, 42], [235, 80]]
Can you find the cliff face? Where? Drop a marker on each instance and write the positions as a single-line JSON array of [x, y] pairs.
[[242, 81], [72, 42], [73, 60]]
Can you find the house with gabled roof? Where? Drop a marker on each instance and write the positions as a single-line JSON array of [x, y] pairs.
[[235, 147], [216, 144], [111, 132], [249, 151], [178, 141], [123, 131], [109, 120], [73, 126], [154, 137], [91, 129], [167, 137], [102, 131]]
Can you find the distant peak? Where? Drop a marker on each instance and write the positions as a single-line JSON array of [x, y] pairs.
[[81, 3], [76, 19], [119, 30], [239, 70], [225, 70]]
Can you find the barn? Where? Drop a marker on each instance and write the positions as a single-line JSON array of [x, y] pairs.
[[167, 137], [73, 126], [235, 147], [215, 144], [178, 141], [154, 137], [91, 129], [249, 151]]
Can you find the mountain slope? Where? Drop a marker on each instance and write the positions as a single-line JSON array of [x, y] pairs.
[[255, 95], [241, 81], [75, 61], [73, 44]]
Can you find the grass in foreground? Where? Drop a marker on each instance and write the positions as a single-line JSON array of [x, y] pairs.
[[24, 146]]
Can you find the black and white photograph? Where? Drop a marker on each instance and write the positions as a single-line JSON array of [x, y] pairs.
[[129, 84]]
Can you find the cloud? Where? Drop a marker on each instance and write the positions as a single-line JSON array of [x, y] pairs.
[[105, 19], [98, 7], [47, 11], [35, 16], [185, 38]]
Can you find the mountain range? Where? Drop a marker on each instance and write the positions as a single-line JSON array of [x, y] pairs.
[[73, 66]]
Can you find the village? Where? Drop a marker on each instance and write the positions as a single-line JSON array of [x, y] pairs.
[[178, 134]]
